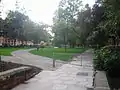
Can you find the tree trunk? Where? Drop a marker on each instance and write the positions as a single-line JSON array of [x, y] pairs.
[[117, 41], [22, 43], [73, 45], [14, 42], [65, 43], [70, 45]]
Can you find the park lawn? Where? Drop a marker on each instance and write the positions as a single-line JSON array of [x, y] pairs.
[[7, 51], [58, 53]]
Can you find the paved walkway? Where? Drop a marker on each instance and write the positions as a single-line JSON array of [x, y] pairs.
[[72, 76], [24, 57], [101, 82]]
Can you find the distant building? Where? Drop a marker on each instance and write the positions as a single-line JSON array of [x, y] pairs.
[[1, 40], [13, 42]]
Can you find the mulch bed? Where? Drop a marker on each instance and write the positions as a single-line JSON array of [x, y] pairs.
[[9, 65], [18, 78]]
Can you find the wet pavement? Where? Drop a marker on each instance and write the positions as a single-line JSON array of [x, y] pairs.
[[72, 76]]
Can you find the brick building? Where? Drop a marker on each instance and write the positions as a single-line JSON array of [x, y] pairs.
[[13, 42]]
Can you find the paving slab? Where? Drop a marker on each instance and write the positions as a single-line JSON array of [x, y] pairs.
[[101, 82], [24, 57], [65, 77]]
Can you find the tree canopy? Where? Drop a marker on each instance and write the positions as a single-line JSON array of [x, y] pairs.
[[86, 25], [19, 26], [74, 24]]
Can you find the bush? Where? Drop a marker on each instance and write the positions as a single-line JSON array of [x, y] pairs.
[[99, 60], [108, 59]]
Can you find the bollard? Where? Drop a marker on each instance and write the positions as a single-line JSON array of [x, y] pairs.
[[81, 60], [53, 61]]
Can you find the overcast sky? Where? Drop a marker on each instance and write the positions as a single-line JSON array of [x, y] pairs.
[[37, 10]]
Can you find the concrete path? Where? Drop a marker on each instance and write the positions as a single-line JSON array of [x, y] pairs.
[[24, 57], [101, 82], [72, 76]]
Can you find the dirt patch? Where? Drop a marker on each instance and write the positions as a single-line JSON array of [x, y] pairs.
[[17, 78], [9, 65]]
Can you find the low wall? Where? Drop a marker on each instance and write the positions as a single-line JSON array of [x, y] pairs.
[[13, 77]]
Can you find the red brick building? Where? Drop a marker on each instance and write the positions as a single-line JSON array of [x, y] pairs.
[[13, 42]]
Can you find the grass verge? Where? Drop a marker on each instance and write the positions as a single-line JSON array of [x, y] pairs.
[[58, 53], [7, 51]]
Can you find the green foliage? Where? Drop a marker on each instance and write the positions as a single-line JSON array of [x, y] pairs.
[[99, 38], [112, 61], [111, 22], [108, 59], [100, 56], [19, 26], [106, 25], [71, 24]]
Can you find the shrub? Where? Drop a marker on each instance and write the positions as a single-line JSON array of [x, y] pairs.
[[108, 59], [99, 58]]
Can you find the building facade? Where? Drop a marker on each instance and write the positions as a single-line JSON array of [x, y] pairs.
[[13, 42]]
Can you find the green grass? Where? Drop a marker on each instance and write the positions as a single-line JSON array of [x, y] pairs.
[[59, 53], [7, 51]]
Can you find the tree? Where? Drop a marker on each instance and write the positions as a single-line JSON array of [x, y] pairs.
[[78, 21], [97, 36], [15, 23], [70, 9], [36, 32], [83, 24], [112, 22], [64, 20], [106, 20], [59, 29], [19, 26]]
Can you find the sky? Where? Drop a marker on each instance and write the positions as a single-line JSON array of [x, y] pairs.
[[37, 10]]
